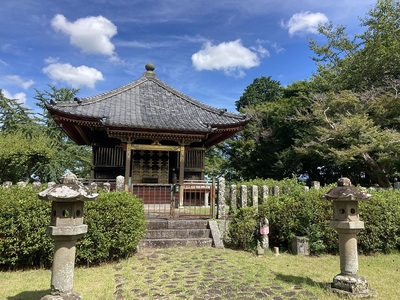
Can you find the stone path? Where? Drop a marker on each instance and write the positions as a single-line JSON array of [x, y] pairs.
[[200, 274]]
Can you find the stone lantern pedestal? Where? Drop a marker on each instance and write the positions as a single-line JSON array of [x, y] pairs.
[[66, 227], [347, 223]]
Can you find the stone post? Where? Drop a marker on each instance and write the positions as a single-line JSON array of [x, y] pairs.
[[347, 223], [22, 184], [120, 183], [221, 198], [254, 196], [315, 185], [396, 184], [66, 227], [7, 184], [234, 197], [264, 192], [107, 187], [93, 187], [36, 185], [275, 190], [243, 195]]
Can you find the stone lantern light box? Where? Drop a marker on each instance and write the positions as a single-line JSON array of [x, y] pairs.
[[67, 201], [345, 199]]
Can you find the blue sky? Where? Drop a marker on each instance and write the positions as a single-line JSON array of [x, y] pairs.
[[210, 50]]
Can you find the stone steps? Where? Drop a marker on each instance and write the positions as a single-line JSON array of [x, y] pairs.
[[163, 233]]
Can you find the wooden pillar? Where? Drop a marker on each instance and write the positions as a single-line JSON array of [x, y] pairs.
[[128, 163], [92, 173], [181, 173]]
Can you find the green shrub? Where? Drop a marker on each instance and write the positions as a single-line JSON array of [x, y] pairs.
[[243, 229], [304, 215], [116, 222], [381, 216], [23, 221]]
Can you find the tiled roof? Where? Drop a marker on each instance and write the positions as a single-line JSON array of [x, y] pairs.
[[149, 103]]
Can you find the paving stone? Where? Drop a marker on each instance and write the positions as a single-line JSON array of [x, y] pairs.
[[260, 295], [183, 276]]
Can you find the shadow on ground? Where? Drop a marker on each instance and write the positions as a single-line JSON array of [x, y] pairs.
[[299, 281], [29, 295]]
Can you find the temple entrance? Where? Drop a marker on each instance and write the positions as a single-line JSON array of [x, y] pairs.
[[163, 201]]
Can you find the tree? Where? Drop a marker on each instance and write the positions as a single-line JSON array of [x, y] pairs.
[[34, 146], [69, 156], [363, 136], [22, 155], [258, 151], [263, 89], [13, 115], [343, 134], [364, 61], [24, 145]]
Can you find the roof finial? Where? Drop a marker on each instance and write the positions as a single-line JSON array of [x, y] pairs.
[[149, 70]]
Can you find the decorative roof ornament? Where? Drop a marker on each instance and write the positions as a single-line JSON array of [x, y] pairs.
[[150, 70]]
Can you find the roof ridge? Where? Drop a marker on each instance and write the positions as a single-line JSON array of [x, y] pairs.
[[108, 94]]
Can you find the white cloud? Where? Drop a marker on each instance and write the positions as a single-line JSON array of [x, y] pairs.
[[17, 80], [75, 76], [231, 57], [51, 60], [20, 97], [305, 22], [260, 49], [91, 34]]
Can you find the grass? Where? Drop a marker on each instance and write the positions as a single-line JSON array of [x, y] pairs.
[[203, 273]]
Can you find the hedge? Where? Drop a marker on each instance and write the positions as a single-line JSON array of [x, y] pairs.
[[115, 220], [300, 213]]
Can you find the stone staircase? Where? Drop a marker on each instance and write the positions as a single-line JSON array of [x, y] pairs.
[[162, 233]]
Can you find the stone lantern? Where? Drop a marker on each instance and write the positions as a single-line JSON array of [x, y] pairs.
[[346, 222], [66, 227]]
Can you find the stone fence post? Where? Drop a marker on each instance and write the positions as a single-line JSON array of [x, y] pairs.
[[107, 187], [7, 184], [254, 196], [120, 182], [315, 185], [275, 190], [221, 198], [264, 192], [36, 185], [243, 195], [233, 195]]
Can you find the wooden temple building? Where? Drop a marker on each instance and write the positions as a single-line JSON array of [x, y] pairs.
[[146, 131]]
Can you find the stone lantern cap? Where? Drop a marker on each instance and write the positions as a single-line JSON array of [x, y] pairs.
[[345, 192], [70, 190]]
